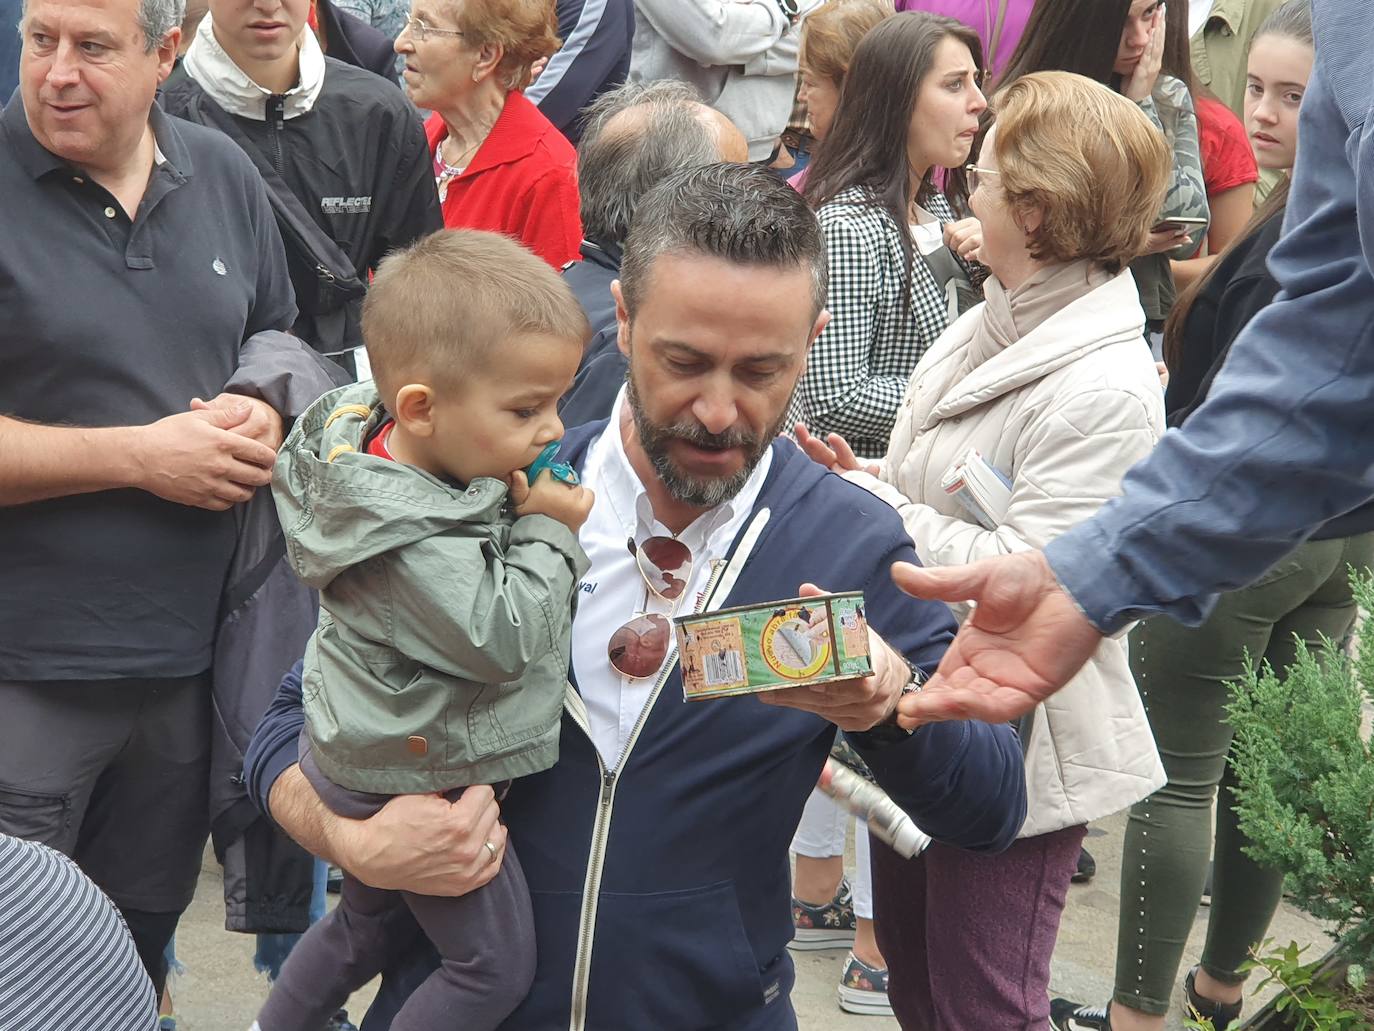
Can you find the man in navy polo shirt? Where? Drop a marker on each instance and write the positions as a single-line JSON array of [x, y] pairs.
[[144, 289]]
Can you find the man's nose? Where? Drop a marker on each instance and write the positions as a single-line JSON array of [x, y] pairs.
[[65, 69], [715, 409]]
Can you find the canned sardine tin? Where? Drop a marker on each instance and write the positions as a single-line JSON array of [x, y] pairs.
[[782, 644]]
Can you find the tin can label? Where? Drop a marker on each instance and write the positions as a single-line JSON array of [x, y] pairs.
[[769, 647]]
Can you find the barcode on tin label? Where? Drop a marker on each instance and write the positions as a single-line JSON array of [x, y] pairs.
[[723, 668]]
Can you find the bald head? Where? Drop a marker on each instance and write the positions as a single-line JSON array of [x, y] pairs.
[[642, 118], [730, 142], [637, 135]]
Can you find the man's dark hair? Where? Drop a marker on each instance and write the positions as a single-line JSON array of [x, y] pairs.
[[616, 169], [739, 213]]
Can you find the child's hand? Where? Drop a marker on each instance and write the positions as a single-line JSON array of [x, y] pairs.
[[569, 503]]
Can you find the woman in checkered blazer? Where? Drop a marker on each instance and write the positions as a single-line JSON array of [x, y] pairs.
[[909, 105]]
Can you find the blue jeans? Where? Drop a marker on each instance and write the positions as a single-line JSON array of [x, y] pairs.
[[274, 948]]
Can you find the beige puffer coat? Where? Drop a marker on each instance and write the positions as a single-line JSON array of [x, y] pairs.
[[1063, 413]]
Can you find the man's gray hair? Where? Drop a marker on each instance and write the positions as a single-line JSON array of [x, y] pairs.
[[743, 214], [155, 17], [615, 170]]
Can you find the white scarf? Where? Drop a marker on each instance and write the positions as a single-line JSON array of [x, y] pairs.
[[230, 87]]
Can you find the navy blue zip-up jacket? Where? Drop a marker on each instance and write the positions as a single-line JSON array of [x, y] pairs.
[[692, 916], [601, 373]]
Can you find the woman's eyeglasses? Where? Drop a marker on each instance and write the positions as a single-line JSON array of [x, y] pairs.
[[638, 648], [421, 32], [973, 172]]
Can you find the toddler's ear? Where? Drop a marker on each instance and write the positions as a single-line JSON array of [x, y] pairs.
[[414, 409]]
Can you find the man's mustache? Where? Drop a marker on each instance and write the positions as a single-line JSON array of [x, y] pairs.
[[696, 434]]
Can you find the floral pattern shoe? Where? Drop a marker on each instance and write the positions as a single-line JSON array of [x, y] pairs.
[[830, 926], [863, 989]]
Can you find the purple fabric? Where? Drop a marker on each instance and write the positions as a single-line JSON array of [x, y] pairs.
[[981, 15], [968, 938]]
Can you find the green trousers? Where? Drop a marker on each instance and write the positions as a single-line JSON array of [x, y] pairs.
[[1184, 675]]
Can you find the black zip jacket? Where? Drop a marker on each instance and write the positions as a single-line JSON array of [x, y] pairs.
[[359, 164]]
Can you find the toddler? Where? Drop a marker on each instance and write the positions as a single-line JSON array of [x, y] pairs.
[[446, 589]]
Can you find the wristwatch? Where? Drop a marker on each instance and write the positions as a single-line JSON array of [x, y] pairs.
[[889, 731]]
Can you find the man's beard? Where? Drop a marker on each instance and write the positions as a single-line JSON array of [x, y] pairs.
[[700, 492]]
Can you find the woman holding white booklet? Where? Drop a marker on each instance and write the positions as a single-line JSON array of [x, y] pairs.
[[1051, 384]]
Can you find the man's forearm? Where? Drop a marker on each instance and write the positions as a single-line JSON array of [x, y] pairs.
[[297, 809], [38, 462]]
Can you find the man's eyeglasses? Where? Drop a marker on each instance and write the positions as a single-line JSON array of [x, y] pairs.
[[638, 648], [421, 32], [973, 172]]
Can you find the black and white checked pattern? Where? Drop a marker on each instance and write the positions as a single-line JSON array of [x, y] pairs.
[[860, 364], [66, 958]]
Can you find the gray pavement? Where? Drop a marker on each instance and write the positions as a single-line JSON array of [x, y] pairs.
[[220, 990]]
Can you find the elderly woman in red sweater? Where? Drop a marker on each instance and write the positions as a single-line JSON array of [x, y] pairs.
[[499, 164]]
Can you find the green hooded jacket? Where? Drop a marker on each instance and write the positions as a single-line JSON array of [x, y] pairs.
[[441, 656]]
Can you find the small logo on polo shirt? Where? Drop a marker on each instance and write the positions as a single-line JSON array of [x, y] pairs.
[[221, 269], [345, 205]]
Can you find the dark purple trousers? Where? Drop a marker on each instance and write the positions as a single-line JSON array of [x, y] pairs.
[[968, 937]]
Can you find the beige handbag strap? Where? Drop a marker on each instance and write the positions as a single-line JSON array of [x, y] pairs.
[[995, 33]]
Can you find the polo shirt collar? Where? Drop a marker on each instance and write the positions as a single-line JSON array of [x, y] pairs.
[[38, 161], [515, 135]]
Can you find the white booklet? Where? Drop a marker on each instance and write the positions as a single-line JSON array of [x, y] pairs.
[[980, 487]]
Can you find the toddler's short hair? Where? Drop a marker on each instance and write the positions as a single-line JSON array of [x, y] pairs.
[[435, 309]]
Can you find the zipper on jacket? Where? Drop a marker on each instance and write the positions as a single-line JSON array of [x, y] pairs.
[[276, 123], [591, 888]]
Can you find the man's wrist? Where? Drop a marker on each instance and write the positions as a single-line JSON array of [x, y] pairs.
[[127, 455]]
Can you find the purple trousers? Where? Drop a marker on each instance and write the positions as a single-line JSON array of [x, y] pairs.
[[968, 937]]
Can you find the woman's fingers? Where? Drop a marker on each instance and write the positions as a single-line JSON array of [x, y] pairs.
[[844, 454]]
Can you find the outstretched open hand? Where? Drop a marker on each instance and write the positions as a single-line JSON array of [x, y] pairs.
[[1024, 640]]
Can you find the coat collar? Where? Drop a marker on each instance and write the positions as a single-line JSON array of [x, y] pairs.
[[1109, 315], [1228, 12], [518, 131], [229, 86]]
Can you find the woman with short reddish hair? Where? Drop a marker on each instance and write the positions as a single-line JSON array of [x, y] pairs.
[[1044, 394], [499, 164]]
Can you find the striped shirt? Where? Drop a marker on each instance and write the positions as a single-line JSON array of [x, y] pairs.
[[66, 958]]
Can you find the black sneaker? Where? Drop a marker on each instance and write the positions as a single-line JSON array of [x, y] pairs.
[[1087, 868], [1067, 1015], [1221, 1014]]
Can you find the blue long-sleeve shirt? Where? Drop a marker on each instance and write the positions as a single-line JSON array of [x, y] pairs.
[[1284, 444]]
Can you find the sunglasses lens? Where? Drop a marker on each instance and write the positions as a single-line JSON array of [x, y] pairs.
[[666, 564], [638, 648]]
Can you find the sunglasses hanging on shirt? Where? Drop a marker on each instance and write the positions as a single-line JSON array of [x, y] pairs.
[[638, 648]]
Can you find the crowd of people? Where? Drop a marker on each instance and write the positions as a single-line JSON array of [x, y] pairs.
[[425, 359]]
